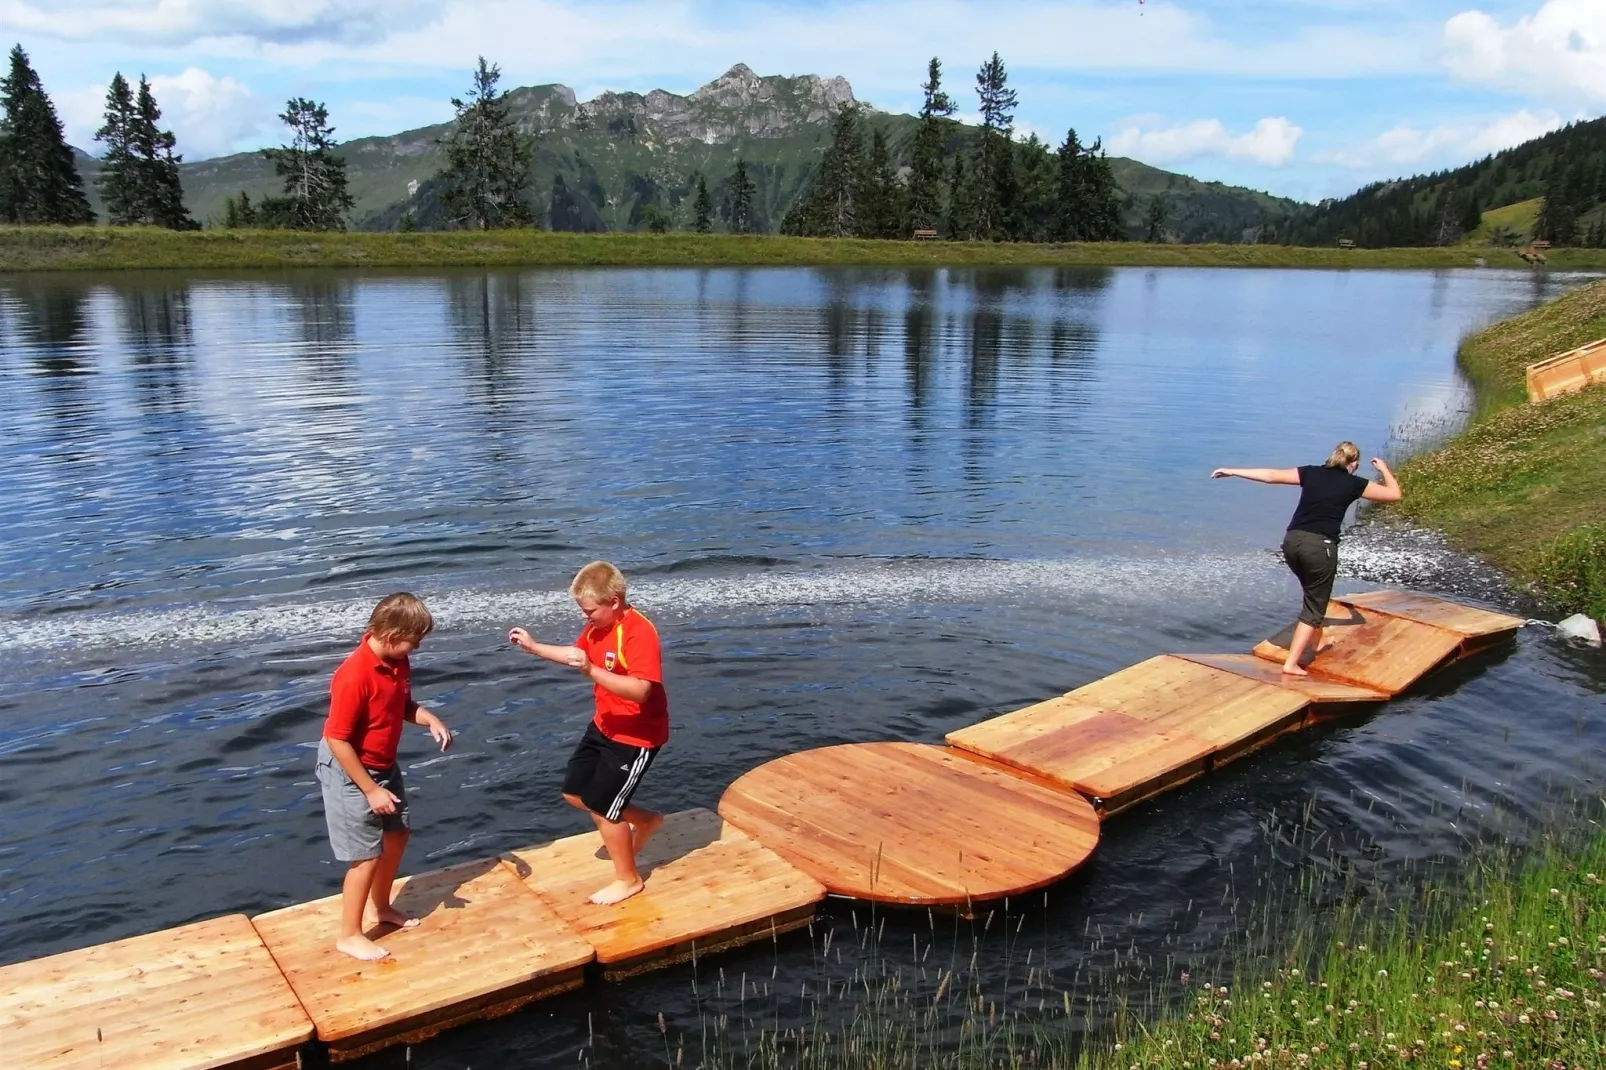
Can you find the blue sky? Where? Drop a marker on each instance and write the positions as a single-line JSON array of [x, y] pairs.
[[1306, 98]]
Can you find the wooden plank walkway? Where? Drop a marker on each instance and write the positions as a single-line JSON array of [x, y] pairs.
[[709, 887], [1013, 804], [911, 823], [487, 946], [1567, 373], [196, 997]]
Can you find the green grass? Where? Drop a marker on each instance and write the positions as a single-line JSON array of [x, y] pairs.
[[1525, 485], [115, 248], [1518, 218]]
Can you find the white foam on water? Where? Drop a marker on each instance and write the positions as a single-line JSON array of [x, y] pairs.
[[1122, 580]]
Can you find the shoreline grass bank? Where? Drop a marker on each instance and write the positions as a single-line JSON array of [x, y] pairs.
[[1524, 486], [121, 248]]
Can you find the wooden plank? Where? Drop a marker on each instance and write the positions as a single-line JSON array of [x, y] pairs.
[[152, 1003], [1568, 372], [910, 823], [1465, 621], [1371, 649], [1316, 688], [1172, 693], [709, 886], [486, 946]]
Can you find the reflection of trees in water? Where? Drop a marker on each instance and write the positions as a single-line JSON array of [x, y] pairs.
[[1084, 279], [156, 326], [494, 324], [325, 320], [46, 320]]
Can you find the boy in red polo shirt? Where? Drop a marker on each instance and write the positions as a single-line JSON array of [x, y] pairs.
[[618, 651], [364, 800]]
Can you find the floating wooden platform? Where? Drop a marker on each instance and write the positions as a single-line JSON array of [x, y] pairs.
[[192, 998], [1138, 731], [709, 887], [487, 945], [1013, 804], [910, 823]]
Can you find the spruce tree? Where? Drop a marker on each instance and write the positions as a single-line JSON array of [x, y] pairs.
[[742, 193], [487, 168], [1070, 195], [239, 212], [879, 197], [703, 208], [40, 182], [830, 207], [925, 163], [1101, 196], [314, 177], [959, 220], [1155, 221], [1037, 174], [161, 194], [118, 180], [993, 175]]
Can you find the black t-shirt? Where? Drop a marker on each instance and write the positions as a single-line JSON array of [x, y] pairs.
[[1325, 495]]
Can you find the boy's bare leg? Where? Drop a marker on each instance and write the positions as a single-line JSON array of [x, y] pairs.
[[390, 855], [643, 823], [618, 838], [353, 898], [1304, 635]]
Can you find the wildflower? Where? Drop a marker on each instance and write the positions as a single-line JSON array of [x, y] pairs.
[[1562, 940], [1524, 1019], [1382, 973]]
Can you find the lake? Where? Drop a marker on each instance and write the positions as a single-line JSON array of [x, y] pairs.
[[859, 505]]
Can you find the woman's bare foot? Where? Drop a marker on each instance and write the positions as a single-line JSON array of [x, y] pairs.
[[617, 892], [641, 831], [1290, 669], [398, 918], [360, 947]]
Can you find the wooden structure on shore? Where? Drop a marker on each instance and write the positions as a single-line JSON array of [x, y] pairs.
[[1567, 373], [1010, 804]]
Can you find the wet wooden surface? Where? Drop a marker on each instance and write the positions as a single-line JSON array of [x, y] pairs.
[[911, 823], [1466, 621], [1371, 649], [1318, 689], [708, 886], [486, 945], [199, 996]]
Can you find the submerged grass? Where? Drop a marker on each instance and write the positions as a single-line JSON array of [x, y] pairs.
[[1497, 963], [113, 248], [1525, 485]]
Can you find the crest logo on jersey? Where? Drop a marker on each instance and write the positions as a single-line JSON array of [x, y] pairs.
[[608, 660]]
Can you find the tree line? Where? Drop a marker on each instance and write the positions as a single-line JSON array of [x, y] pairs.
[[959, 183]]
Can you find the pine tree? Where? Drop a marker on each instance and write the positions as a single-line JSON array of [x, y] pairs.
[[314, 177], [239, 212], [1037, 173], [118, 180], [742, 193], [993, 174], [829, 208], [959, 219], [487, 168], [925, 163], [1101, 197], [1471, 212], [879, 197], [161, 193], [703, 208], [1155, 221], [1070, 195], [40, 183]]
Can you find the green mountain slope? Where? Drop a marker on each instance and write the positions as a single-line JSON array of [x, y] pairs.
[[598, 163]]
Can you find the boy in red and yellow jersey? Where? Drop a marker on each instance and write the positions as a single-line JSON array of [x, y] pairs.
[[364, 800], [618, 651]]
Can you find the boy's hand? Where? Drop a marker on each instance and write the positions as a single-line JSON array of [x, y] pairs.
[[520, 638], [437, 730], [381, 801], [575, 658]]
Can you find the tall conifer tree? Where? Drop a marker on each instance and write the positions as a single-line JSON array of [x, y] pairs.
[[118, 180], [40, 182], [992, 179], [830, 208], [880, 196], [314, 177], [1070, 204], [926, 158], [487, 169], [161, 194], [703, 208], [742, 193]]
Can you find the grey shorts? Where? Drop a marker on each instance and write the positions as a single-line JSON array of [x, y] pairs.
[[1313, 559], [356, 832]]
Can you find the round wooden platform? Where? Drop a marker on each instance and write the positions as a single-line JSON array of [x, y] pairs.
[[910, 823]]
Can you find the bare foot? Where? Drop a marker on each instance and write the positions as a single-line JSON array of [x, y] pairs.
[[617, 892], [400, 919], [360, 947], [1293, 670], [642, 831]]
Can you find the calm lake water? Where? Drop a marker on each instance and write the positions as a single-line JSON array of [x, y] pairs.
[[860, 505]]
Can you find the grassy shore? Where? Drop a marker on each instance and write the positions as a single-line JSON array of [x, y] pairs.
[[1525, 485], [113, 248]]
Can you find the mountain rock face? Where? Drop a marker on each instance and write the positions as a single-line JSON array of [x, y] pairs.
[[599, 163]]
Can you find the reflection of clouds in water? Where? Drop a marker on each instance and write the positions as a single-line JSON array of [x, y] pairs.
[[1088, 582]]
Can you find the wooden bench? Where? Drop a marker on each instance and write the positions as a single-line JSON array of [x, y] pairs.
[[1346, 243], [925, 234]]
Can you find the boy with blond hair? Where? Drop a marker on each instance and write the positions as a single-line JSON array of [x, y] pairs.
[[619, 652], [364, 800]]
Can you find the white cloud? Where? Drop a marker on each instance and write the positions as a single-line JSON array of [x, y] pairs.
[[1270, 143], [1558, 52], [179, 22], [208, 115], [1446, 143]]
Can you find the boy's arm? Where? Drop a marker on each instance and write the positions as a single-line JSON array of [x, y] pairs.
[[572, 656], [629, 688], [380, 801], [437, 728]]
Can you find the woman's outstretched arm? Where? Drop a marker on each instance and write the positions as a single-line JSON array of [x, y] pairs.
[[1260, 475], [1386, 489]]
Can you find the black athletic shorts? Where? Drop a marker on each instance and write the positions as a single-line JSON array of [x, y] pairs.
[[1313, 559], [604, 773]]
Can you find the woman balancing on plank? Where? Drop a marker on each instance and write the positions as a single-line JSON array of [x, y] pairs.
[[1311, 545]]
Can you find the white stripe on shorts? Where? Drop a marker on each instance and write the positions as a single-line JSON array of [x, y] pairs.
[[637, 767]]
